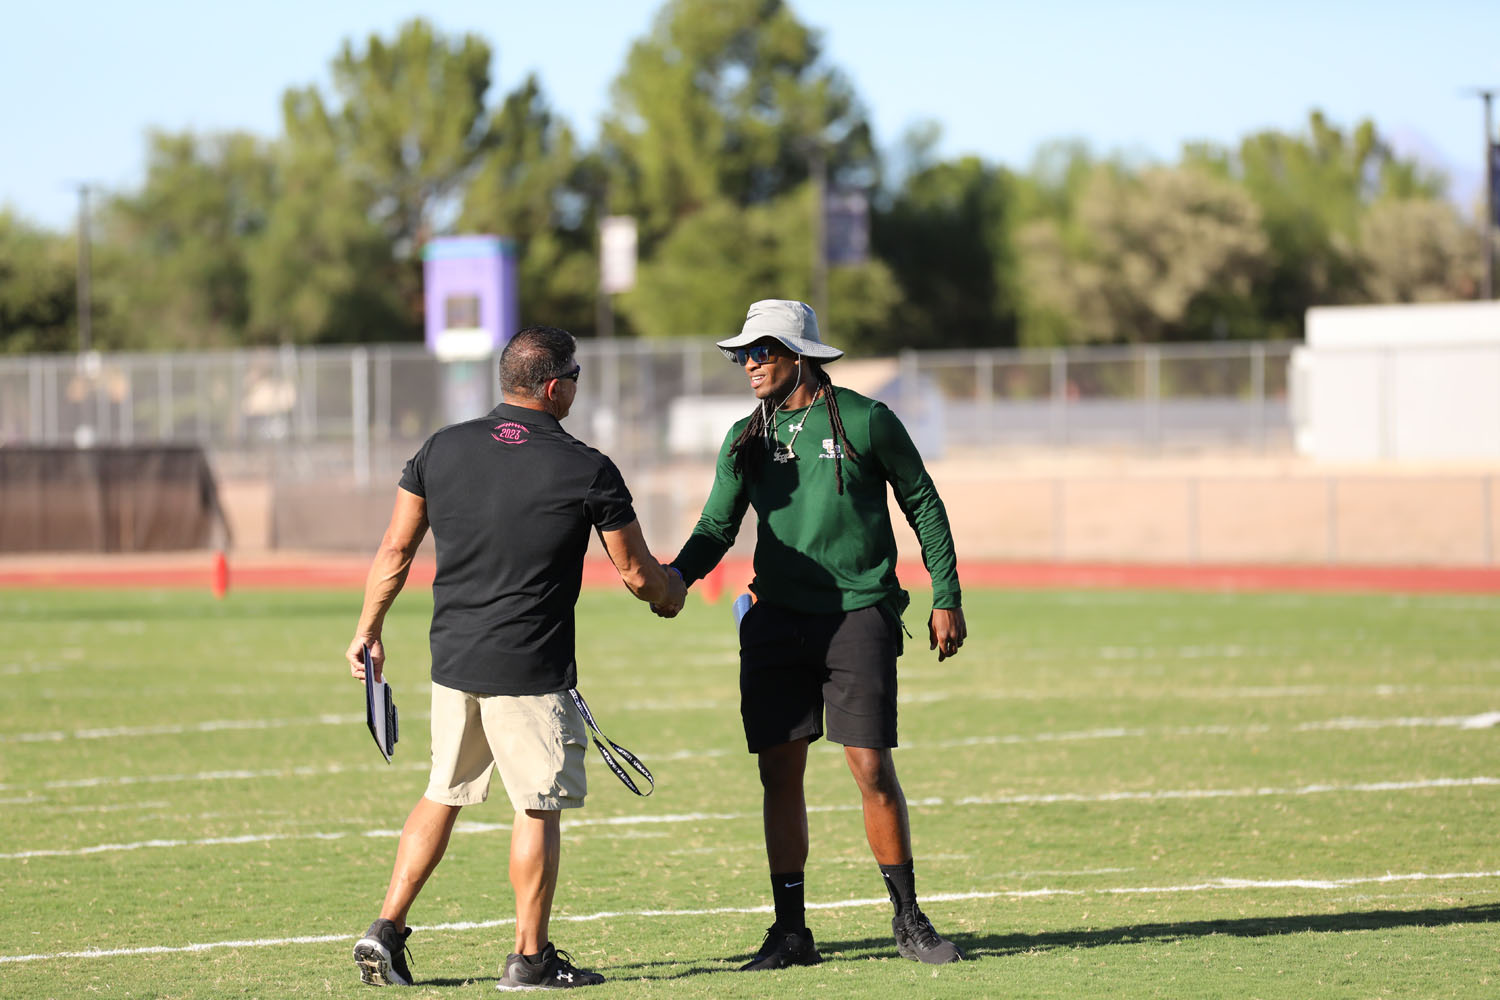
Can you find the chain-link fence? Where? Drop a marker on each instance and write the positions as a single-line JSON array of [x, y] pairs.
[[304, 415]]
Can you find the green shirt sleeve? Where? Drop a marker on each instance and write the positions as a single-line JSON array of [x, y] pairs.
[[720, 521], [918, 499]]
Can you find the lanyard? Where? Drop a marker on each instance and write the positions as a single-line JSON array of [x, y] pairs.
[[630, 758]]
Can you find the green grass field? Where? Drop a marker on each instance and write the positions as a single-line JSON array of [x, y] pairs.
[[1113, 794]]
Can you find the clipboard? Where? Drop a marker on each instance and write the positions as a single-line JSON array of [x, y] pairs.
[[380, 710]]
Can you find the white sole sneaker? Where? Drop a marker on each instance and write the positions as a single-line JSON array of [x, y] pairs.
[[374, 962]]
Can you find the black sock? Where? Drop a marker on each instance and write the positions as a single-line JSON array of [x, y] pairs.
[[786, 893], [901, 883]]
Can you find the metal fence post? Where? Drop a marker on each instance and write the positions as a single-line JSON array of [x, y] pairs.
[[1258, 392], [200, 405], [127, 406], [1059, 412], [359, 413], [383, 401], [1151, 376], [692, 371], [36, 410], [165, 425], [51, 425], [909, 396], [984, 386]]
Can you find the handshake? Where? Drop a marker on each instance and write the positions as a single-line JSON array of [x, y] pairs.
[[671, 595]]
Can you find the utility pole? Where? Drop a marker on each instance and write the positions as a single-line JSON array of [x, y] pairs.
[[85, 300], [1489, 196], [1487, 229], [819, 170]]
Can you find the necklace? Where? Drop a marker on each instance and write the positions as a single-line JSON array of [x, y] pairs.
[[783, 452]]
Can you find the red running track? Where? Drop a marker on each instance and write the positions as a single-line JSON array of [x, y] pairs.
[[196, 569]]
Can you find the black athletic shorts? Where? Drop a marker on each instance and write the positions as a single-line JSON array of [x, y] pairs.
[[794, 665]]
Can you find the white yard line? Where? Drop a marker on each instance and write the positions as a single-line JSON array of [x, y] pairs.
[[1159, 795], [1211, 885], [1484, 720], [333, 719]]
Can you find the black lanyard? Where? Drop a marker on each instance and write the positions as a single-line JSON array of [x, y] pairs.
[[614, 765]]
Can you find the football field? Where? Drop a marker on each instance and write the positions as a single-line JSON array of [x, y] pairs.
[[1113, 794]]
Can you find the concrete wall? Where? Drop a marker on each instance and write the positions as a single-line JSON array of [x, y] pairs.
[[1401, 383]]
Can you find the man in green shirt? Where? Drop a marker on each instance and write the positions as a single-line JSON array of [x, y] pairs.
[[814, 459]]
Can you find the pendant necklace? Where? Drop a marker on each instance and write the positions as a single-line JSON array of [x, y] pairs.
[[784, 453]]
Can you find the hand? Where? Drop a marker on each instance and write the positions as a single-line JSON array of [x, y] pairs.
[[947, 631], [676, 594], [356, 658]]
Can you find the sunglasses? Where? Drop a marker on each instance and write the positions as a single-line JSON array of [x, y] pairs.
[[760, 354], [572, 375]]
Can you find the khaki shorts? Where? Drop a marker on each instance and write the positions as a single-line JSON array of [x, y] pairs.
[[536, 742]]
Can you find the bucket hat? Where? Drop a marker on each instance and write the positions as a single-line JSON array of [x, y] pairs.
[[793, 323]]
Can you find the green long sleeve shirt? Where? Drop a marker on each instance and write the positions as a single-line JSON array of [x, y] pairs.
[[816, 550]]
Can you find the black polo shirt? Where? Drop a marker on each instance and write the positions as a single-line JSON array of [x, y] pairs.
[[512, 499]]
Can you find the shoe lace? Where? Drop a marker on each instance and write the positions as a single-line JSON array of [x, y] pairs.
[[406, 948], [921, 929], [564, 962]]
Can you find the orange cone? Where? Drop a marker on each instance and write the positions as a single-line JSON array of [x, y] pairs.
[[221, 575], [712, 585]]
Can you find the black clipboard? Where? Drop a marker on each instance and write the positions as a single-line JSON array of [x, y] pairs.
[[380, 711]]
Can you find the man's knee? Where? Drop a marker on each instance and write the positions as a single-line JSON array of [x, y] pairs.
[[874, 771], [782, 766]]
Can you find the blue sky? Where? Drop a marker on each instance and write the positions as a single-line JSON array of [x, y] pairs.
[[85, 79]]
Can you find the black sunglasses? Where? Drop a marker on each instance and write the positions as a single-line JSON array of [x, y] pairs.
[[760, 354], [572, 375]]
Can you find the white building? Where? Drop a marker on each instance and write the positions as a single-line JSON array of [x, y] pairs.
[[1400, 382]]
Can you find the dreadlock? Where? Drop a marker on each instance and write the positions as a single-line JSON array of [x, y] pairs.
[[758, 430]]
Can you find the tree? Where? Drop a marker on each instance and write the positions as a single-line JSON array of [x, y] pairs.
[[171, 264], [1142, 257], [1313, 190], [946, 236], [323, 270], [1418, 250], [722, 258], [407, 130], [537, 189], [38, 300], [727, 100]]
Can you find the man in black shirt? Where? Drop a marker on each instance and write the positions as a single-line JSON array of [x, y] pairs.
[[512, 499]]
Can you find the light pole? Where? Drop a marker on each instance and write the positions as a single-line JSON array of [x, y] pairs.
[[1487, 229], [85, 301], [818, 168]]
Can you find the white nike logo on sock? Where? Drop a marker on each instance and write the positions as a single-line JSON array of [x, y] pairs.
[[790, 885]]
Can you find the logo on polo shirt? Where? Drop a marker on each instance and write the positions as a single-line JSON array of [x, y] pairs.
[[510, 433]]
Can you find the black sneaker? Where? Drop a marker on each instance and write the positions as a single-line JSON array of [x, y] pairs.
[[381, 955], [784, 948], [553, 971], [916, 940]]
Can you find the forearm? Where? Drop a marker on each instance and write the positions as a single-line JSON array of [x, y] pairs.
[[700, 554], [917, 496], [930, 522], [718, 525], [387, 576], [649, 582]]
